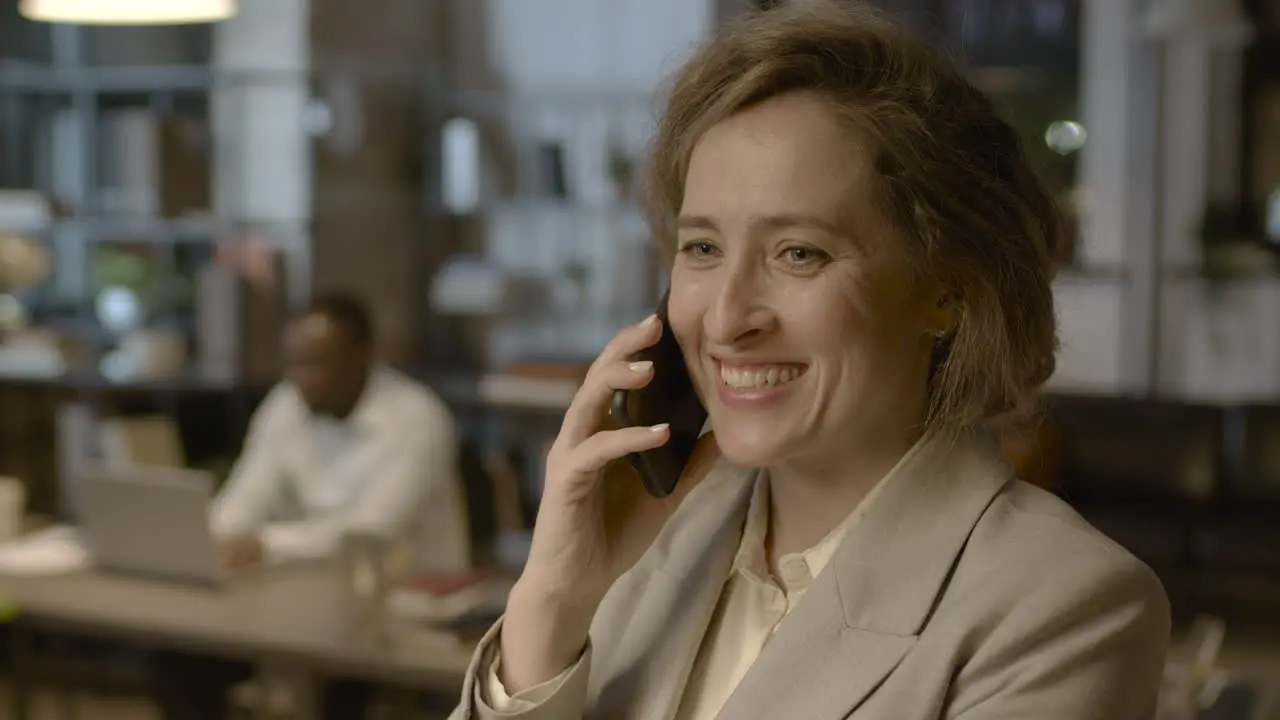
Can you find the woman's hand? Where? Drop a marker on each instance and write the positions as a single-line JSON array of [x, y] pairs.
[[595, 519]]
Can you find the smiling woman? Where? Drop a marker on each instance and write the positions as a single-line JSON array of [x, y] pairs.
[[789, 272], [909, 154], [860, 259]]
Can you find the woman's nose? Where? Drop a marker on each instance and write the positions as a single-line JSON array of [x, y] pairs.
[[741, 309]]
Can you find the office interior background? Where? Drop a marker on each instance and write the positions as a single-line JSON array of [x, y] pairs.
[[168, 192]]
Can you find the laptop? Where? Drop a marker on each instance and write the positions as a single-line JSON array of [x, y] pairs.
[[151, 521]]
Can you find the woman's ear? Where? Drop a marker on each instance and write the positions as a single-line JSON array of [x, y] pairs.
[[942, 314]]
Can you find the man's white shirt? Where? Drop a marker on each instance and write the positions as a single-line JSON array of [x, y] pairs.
[[390, 469]]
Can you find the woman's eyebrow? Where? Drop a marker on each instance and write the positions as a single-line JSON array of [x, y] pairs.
[[781, 221], [787, 221], [696, 222]]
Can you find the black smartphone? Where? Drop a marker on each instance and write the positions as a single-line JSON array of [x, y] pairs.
[[668, 398]]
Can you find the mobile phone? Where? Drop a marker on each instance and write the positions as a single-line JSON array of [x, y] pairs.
[[668, 398]]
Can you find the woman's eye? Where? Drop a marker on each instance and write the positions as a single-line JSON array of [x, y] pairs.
[[801, 255], [698, 249]]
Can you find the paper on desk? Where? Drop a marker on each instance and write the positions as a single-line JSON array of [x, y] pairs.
[[51, 551]]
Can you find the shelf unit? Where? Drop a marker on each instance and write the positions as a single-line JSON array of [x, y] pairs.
[[552, 222], [116, 127], [95, 131], [112, 125]]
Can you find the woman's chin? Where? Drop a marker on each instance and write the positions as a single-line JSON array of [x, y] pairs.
[[745, 450]]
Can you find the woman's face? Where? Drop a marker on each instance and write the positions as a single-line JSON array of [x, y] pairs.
[[803, 327]]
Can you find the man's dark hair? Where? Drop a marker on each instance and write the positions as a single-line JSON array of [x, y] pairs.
[[346, 311]]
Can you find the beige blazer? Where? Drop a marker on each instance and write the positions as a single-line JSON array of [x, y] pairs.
[[963, 593]]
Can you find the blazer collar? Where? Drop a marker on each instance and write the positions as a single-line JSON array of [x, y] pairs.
[[863, 614], [890, 569]]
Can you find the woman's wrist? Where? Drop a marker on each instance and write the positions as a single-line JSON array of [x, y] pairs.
[[543, 633]]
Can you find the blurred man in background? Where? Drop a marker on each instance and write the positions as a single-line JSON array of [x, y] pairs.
[[343, 445]]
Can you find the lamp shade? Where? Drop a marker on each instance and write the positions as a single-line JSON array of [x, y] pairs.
[[1221, 22], [128, 12]]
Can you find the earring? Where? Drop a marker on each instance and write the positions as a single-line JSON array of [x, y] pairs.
[[939, 334]]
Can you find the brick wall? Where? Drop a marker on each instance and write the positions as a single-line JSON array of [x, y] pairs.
[[368, 231]]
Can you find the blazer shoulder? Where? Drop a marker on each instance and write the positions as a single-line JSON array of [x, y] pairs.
[[1022, 508], [1055, 618], [1036, 540]]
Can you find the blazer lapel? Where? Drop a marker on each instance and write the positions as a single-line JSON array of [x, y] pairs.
[[679, 592], [866, 609], [815, 666]]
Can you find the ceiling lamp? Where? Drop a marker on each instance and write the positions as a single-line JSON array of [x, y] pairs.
[[128, 12], [1221, 22]]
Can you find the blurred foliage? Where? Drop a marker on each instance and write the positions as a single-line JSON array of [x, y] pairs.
[[156, 286]]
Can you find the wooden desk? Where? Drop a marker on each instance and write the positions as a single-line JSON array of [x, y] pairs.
[[289, 623]]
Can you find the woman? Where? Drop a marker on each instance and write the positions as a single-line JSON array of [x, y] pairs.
[[860, 283]]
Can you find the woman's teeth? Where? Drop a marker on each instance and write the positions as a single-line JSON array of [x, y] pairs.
[[756, 378]]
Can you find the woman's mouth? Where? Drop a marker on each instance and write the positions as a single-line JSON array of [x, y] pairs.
[[746, 378]]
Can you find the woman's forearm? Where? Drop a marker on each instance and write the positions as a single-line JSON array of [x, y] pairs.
[[541, 636]]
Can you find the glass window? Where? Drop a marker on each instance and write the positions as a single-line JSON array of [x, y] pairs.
[[1026, 55]]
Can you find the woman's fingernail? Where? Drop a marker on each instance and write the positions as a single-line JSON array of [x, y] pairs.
[[650, 321], [641, 366], [661, 427]]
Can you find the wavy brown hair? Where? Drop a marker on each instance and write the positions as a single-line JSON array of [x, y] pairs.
[[951, 175]]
